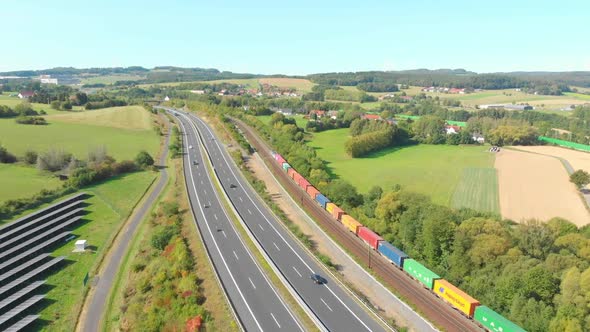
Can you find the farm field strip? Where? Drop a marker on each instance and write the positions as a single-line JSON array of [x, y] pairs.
[[478, 190], [125, 117]]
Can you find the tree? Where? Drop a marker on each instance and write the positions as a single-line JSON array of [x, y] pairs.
[[24, 108], [30, 157], [143, 159], [580, 178], [6, 157], [430, 129]]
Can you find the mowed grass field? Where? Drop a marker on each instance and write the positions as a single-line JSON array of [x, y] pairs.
[[478, 190], [299, 84], [432, 170], [110, 204], [7, 100], [110, 79], [78, 132], [19, 181]]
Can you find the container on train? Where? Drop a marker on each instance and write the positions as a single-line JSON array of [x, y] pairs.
[[286, 166], [456, 297], [312, 191], [351, 223], [273, 153], [334, 210], [392, 253], [322, 200], [280, 159], [493, 321], [303, 183], [420, 272], [290, 172], [297, 177], [370, 237]]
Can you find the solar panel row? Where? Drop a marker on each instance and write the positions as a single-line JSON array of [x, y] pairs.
[[33, 250], [21, 293], [31, 223], [50, 208], [29, 275], [40, 227], [24, 266], [21, 324], [31, 241], [20, 308]]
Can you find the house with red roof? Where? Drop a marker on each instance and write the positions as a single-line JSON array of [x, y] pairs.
[[26, 94], [452, 129], [371, 117]]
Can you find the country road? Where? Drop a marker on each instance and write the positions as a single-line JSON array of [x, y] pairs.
[[93, 316]]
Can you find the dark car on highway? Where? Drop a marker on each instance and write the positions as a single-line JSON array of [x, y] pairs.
[[318, 279]]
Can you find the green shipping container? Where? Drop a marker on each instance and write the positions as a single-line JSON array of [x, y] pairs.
[[420, 272], [493, 321]]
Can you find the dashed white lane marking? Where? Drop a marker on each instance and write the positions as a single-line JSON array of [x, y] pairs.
[[276, 321], [297, 271], [326, 304], [249, 211], [252, 283], [262, 228], [215, 215], [276, 246], [236, 255], [241, 200], [223, 232]]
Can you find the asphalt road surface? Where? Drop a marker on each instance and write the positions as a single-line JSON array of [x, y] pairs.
[[95, 310], [253, 297], [334, 306]]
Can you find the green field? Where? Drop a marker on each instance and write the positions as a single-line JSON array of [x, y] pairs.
[[299, 120], [22, 182], [478, 190], [11, 102], [109, 79], [77, 138], [433, 170], [110, 204], [126, 117]]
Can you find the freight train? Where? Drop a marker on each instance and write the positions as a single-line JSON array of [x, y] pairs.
[[452, 295]]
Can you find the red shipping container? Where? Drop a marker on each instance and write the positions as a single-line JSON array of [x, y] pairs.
[[290, 172], [303, 183], [369, 236], [297, 177], [312, 191], [337, 212]]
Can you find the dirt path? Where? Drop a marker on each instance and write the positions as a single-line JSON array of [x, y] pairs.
[[379, 297], [578, 159], [537, 186]]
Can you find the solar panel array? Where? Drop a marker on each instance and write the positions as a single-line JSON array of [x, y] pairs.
[[25, 246]]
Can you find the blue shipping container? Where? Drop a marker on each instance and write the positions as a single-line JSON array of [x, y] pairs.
[[392, 253], [286, 166], [323, 200]]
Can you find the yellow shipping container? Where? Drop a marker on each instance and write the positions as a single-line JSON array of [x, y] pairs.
[[330, 207], [350, 223], [456, 297]]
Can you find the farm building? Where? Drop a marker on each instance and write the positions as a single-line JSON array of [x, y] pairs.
[[511, 107], [26, 94], [478, 138], [371, 117], [452, 129]]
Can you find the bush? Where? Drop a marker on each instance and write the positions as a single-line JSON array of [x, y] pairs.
[[53, 160], [143, 159], [161, 238], [30, 157], [32, 120], [56, 105], [6, 157]]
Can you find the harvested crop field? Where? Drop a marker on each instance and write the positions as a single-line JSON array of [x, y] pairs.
[[299, 84], [578, 159], [478, 190], [536, 186]]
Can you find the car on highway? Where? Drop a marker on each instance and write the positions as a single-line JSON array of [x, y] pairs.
[[318, 279], [195, 162], [190, 146]]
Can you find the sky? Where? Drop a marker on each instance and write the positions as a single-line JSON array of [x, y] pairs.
[[297, 37]]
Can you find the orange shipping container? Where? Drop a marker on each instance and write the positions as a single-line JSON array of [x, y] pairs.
[[456, 297], [337, 212], [351, 223], [312, 191]]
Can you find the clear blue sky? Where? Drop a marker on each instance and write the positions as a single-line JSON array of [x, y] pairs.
[[300, 38]]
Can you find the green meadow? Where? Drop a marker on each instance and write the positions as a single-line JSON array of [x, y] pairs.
[[478, 190], [21, 181], [432, 170]]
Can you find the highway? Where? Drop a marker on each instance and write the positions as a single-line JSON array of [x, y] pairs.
[[333, 306], [252, 296]]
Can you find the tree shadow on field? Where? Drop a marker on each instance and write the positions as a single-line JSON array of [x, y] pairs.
[[386, 151]]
